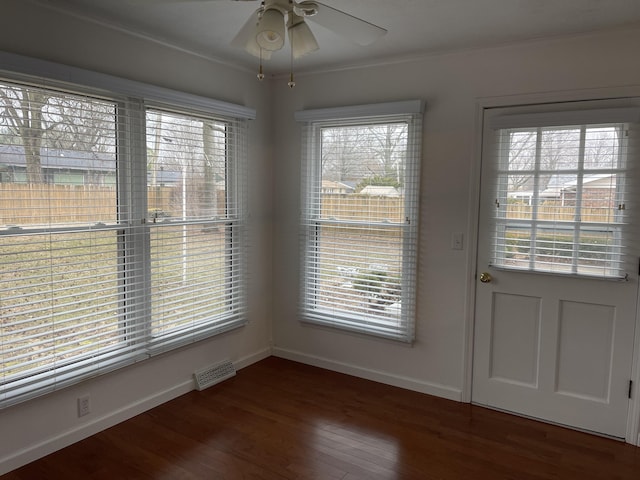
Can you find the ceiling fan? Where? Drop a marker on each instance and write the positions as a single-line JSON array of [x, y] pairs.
[[265, 29], [264, 32]]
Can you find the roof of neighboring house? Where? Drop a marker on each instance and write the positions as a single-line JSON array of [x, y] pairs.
[[336, 185], [166, 177], [567, 183], [13, 155], [380, 191], [596, 180], [560, 183]]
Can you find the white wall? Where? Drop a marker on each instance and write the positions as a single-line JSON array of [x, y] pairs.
[[451, 84], [40, 426]]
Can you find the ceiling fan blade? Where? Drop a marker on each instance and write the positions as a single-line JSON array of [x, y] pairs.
[[246, 38], [355, 29]]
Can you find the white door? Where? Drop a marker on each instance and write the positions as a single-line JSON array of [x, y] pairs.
[[556, 285]]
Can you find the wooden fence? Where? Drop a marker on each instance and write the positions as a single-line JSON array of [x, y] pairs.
[[363, 207], [22, 204], [560, 213]]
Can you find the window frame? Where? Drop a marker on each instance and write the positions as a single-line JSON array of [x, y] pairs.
[[311, 222]]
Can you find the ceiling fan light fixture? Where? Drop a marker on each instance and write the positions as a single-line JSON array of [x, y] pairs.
[[246, 37], [301, 39], [305, 9], [270, 31]]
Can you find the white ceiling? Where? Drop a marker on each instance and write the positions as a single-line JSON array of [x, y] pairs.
[[415, 27]]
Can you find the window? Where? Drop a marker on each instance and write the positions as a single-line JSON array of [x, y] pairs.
[[359, 220], [562, 194], [121, 232]]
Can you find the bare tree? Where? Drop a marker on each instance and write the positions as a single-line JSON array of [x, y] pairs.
[[522, 149], [342, 153], [602, 146], [76, 124], [35, 118], [23, 114], [558, 150], [213, 137], [388, 145], [365, 153], [154, 140]]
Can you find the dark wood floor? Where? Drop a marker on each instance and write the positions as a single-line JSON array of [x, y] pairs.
[[282, 420]]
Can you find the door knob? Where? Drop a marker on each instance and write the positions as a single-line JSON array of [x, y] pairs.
[[485, 277]]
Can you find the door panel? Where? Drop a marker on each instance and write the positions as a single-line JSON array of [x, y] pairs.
[[515, 334], [585, 327]]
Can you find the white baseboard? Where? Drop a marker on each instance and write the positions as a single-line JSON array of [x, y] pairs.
[[66, 438], [253, 358], [375, 375]]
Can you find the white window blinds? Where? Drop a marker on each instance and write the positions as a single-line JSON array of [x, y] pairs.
[[114, 245], [564, 185], [360, 218], [60, 273], [196, 224]]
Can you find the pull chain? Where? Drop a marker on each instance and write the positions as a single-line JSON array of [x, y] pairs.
[[260, 72], [292, 82]]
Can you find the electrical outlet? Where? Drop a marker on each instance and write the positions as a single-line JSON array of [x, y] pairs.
[[84, 405]]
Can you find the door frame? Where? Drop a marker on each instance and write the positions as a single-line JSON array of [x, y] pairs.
[[483, 103]]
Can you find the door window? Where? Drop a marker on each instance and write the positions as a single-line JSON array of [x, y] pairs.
[[560, 199]]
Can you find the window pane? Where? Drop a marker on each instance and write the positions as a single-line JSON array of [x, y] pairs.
[[554, 248], [602, 148], [359, 271], [558, 200], [57, 158], [559, 150], [521, 154], [514, 247], [599, 252], [60, 298], [363, 172], [189, 275], [186, 176]]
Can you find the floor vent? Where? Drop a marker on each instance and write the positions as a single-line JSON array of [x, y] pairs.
[[209, 376]]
